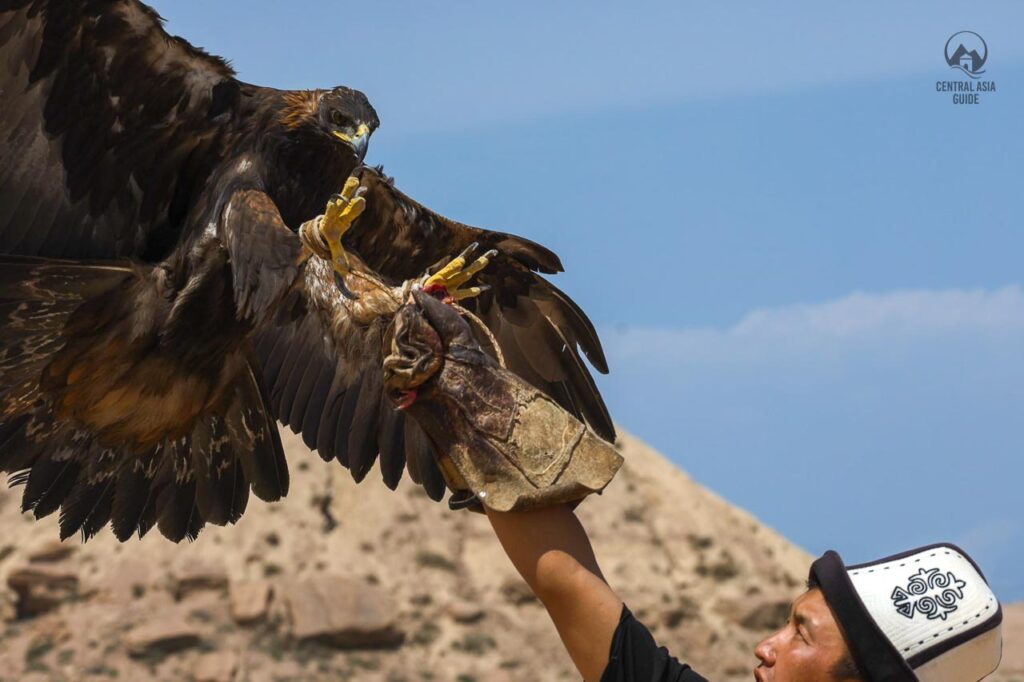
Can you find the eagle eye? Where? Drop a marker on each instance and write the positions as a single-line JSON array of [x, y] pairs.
[[338, 118]]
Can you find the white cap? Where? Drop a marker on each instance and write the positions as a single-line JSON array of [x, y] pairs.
[[926, 615]]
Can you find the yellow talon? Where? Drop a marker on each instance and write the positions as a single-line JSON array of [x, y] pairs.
[[351, 183], [460, 278], [342, 210], [460, 294], [456, 273], [444, 274]]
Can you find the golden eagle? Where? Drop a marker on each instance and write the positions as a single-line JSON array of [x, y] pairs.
[[158, 307]]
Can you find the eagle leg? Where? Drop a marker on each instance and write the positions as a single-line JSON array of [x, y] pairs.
[[452, 276], [342, 210]]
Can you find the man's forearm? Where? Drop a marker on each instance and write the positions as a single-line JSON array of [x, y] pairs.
[[551, 550]]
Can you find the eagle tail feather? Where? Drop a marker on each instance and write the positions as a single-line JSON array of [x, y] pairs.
[[344, 425], [222, 490], [15, 449], [263, 460], [133, 495], [309, 424], [87, 507], [179, 512], [528, 252], [329, 424], [50, 480], [362, 437], [391, 439], [419, 455], [178, 485], [571, 316]]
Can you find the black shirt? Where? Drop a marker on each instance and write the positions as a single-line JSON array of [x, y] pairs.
[[635, 657]]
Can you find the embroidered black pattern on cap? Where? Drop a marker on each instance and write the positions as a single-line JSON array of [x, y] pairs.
[[931, 593]]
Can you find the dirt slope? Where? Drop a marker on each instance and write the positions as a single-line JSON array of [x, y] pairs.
[[1012, 667], [346, 582]]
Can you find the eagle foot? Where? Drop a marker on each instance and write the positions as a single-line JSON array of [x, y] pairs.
[[449, 279], [342, 210]]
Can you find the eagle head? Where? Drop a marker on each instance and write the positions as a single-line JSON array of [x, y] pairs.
[[343, 116]]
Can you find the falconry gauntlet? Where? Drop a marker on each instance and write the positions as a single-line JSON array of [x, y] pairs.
[[497, 438]]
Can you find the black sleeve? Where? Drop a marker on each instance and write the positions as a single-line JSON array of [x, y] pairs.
[[635, 657]]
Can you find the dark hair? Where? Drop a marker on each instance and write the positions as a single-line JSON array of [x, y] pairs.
[[846, 668]]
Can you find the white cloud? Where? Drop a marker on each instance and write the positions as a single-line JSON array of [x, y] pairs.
[[855, 320], [902, 393], [895, 312]]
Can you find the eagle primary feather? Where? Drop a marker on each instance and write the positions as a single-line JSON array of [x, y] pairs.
[[158, 310]]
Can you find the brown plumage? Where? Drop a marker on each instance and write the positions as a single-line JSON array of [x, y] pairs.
[[158, 311], [299, 107]]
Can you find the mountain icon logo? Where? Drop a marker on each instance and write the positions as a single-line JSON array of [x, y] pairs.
[[968, 52]]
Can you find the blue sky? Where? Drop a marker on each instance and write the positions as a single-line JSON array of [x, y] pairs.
[[806, 263]]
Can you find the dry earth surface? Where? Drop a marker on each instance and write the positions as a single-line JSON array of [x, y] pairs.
[[346, 582], [1012, 668]]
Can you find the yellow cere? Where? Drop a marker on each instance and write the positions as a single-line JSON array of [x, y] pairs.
[[362, 131]]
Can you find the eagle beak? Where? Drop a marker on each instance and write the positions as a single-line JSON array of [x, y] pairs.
[[359, 142]]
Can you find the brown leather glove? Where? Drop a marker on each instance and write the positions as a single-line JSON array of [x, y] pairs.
[[497, 438]]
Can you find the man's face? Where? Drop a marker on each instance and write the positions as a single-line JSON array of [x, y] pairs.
[[807, 648]]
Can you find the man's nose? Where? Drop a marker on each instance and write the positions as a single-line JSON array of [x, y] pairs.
[[765, 651]]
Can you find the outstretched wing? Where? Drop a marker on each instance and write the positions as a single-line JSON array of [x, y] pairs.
[[106, 126], [322, 366], [123, 400], [71, 337], [321, 362], [540, 329]]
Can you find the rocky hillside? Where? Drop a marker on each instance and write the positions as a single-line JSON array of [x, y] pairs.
[[346, 582], [1012, 668]]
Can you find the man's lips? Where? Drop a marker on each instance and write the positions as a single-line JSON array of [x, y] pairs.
[[759, 674]]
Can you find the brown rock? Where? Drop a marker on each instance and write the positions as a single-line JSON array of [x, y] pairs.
[[754, 613], [342, 613], [41, 588], [199, 577], [161, 636], [217, 666], [52, 551], [684, 610], [463, 611], [249, 600], [722, 569], [766, 615]]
